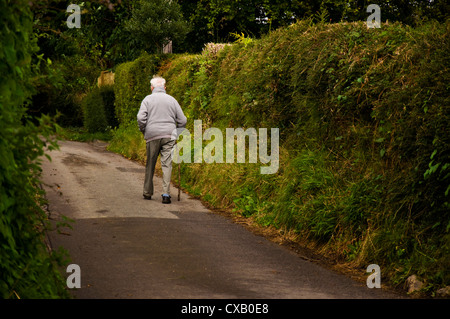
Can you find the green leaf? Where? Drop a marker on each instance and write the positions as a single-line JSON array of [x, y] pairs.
[[433, 154]]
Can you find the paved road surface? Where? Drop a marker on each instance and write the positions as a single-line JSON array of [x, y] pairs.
[[128, 247]]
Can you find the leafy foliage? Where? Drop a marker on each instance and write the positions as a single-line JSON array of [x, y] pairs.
[[102, 38], [154, 23], [60, 88], [27, 269], [128, 141], [215, 21], [94, 112], [98, 109], [132, 84]]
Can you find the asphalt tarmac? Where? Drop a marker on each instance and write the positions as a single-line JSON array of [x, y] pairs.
[[128, 247]]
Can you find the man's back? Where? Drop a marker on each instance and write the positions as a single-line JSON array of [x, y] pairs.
[[159, 115]]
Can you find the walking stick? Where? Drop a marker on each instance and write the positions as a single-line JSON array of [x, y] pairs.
[[179, 174]]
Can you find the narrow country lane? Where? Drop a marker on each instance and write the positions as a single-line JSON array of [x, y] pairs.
[[128, 247]]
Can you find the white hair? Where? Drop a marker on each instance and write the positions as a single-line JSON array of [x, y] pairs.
[[158, 81]]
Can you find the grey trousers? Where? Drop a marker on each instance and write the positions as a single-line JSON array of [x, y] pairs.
[[164, 147]]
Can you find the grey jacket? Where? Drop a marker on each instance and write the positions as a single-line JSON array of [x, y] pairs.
[[159, 115]]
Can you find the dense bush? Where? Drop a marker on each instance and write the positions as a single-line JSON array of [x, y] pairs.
[[27, 268], [132, 84], [108, 98], [364, 157], [60, 87], [129, 142], [98, 109], [94, 112]]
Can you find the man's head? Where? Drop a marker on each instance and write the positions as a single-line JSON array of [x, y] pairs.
[[158, 81]]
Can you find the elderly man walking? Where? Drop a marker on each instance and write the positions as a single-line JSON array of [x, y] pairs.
[[158, 118]]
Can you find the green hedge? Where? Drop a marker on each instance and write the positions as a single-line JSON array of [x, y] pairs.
[[363, 115], [60, 87], [99, 109], [108, 98], [364, 158], [27, 269], [132, 84]]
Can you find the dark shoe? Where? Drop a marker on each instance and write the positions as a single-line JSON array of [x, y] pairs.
[[147, 197], [166, 200]]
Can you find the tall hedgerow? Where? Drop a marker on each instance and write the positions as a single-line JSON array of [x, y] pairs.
[[364, 145], [132, 84], [363, 117], [27, 268], [98, 109]]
